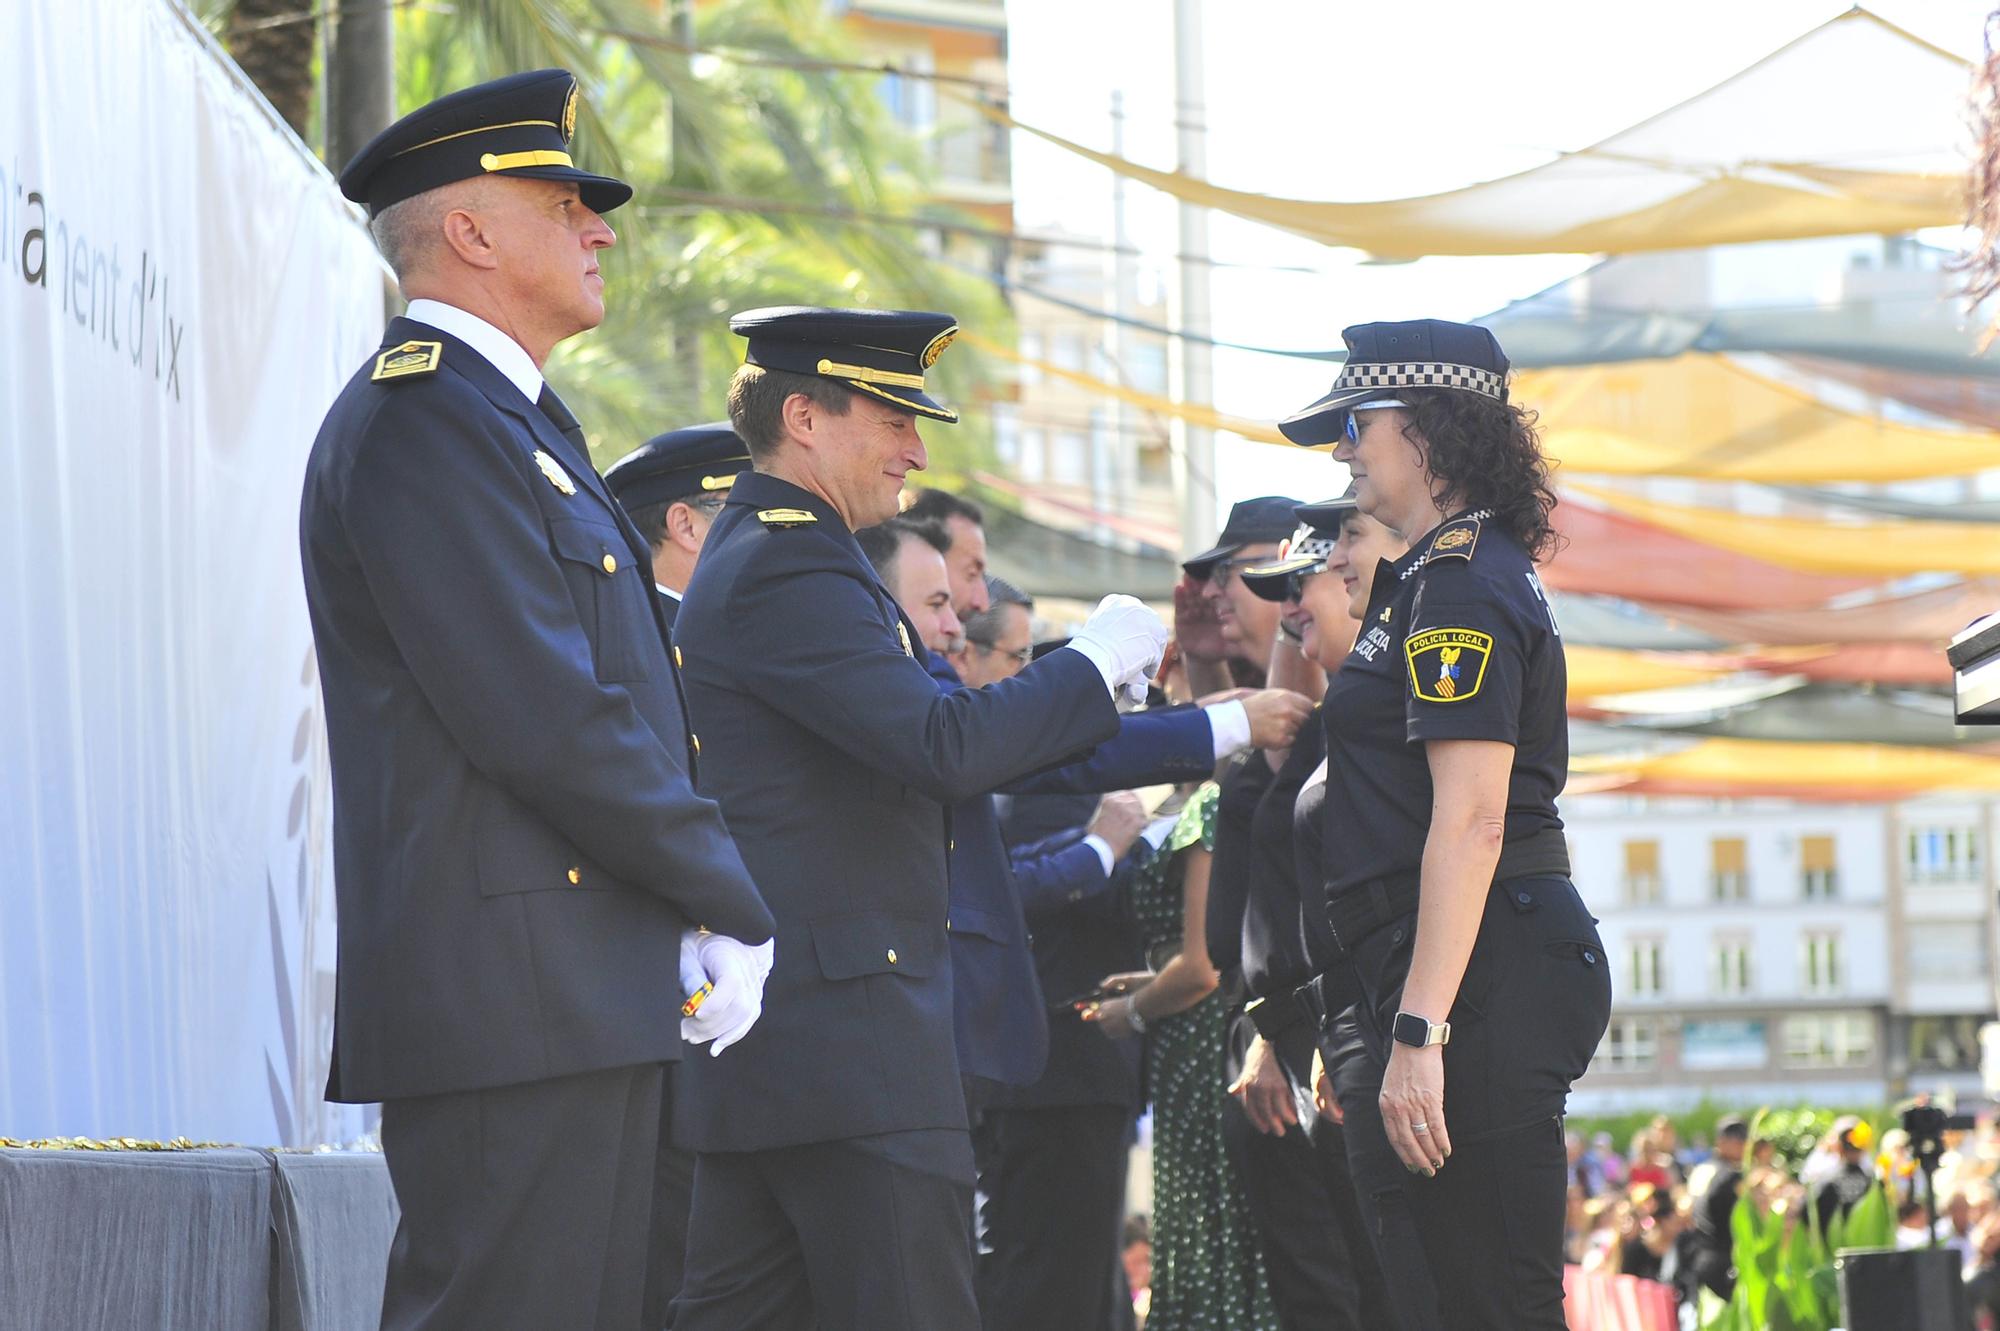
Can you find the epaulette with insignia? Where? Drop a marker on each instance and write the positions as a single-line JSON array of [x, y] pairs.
[[1456, 539], [408, 361], [785, 517]]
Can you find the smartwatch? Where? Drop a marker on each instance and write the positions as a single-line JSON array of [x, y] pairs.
[[1419, 1033]]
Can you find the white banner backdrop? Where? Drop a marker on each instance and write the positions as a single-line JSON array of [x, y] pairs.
[[182, 293]]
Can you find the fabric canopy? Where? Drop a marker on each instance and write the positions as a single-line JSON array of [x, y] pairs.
[[1598, 671], [1849, 128], [1193, 413], [1809, 770], [1707, 416], [1817, 545], [1833, 713], [1611, 554], [1902, 314], [1924, 619]]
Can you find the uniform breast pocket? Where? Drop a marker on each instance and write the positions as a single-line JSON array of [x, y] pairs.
[[610, 591]]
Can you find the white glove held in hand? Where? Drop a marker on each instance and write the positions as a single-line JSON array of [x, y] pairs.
[[738, 971], [1125, 641]]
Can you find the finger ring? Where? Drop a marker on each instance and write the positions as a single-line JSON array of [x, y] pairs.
[[1420, 1127]]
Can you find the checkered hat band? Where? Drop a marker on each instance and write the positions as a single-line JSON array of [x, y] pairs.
[[1310, 547], [1421, 374]]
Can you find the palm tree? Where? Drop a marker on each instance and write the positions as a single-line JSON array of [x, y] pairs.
[[770, 176]]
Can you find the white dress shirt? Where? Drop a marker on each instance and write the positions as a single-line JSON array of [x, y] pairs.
[[501, 351]]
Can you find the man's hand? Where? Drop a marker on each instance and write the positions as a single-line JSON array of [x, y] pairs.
[[1275, 717], [735, 972], [1124, 640], [1196, 628], [1264, 1090], [1120, 817]]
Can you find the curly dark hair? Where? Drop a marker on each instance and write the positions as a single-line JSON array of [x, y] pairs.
[[1490, 455]]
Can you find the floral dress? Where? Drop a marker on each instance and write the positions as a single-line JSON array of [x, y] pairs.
[[1207, 1272]]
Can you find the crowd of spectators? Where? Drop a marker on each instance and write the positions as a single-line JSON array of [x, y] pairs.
[[1659, 1207]]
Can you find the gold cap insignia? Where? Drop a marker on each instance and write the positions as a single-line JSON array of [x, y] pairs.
[[569, 114], [553, 470], [785, 517], [937, 345], [408, 361], [903, 635], [722, 482]]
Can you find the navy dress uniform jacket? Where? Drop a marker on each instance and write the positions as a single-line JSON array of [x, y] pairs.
[[517, 841], [841, 760], [999, 1012]]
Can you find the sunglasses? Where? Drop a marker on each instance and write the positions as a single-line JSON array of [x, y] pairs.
[[1352, 430], [1024, 657]]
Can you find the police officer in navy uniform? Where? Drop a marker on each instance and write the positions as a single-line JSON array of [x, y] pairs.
[[520, 856], [1482, 981], [672, 486], [834, 1175]]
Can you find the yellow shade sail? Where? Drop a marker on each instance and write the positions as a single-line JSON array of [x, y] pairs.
[[1850, 128], [1751, 765], [1193, 413], [1600, 671], [1708, 417], [1885, 549]]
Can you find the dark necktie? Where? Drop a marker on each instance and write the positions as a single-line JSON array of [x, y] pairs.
[[563, 419]]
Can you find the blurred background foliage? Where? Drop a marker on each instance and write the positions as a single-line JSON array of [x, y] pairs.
[[757, 184]]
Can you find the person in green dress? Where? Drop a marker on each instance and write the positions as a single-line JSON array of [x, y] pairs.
[[1207, 1272]]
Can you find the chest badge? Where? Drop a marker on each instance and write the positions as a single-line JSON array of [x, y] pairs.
[[1447, 664], [554, 472], [903, 636]]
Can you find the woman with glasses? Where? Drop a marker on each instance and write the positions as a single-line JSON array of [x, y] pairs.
[[1482, 987]]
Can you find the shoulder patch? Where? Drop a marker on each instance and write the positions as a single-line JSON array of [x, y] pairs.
[[408, 361], [1447, 665], [1455, 539], [785, 517]]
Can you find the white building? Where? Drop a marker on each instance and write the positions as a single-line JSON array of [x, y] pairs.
[[1766, 951]]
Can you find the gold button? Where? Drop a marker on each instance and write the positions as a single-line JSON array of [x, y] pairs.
[[892, 956], [695, 740], [952, 844], [576, 875], [610, 563], [488, 162], [677, 656]]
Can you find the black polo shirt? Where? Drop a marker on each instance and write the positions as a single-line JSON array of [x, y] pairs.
[[1458, 643], [1274, 955]]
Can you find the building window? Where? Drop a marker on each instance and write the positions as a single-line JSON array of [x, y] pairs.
[[1069, 458], [1645, 969], [1819, 879], [1642, 873], [1729, 869], [1946, 854], [1006, 435], [910, 96], [1819, 963], [1033, 459], [1948, 953], [1066, 350], [1829, 1040], [1631, 1044], [1032, 349], [1729, 967], [1944, 1044]]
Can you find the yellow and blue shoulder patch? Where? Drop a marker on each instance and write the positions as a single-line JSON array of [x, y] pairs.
[[1455, 540], [1447, 664], [409, 361], [785, 517]]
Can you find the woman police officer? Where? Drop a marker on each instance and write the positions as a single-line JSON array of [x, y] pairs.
[[1483, 985]]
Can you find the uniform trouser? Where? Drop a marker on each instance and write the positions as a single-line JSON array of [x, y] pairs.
[[1321, 1266], [523, 1206], [673, 1198], [1531, 1009], [862, 1234], [1054, 1183]]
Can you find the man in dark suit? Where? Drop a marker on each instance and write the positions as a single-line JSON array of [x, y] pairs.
[[834, 1174], [672, 486], [520, 854]]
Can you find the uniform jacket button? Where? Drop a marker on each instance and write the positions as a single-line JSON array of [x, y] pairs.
[[695, 740], [1589, 957], [1524, 898], [610, 563], [677, 656], [576, 875], [892, 956]]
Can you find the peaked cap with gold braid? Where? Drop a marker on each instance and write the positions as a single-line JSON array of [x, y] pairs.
[[516, 126], [882, 353]]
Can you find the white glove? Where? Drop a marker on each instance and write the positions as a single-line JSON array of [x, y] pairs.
[[737, 971], [1125, 641]]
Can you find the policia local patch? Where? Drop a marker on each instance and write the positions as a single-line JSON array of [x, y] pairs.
[[1447, 665]]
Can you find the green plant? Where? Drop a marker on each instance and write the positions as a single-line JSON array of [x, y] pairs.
[[1785, 1275]]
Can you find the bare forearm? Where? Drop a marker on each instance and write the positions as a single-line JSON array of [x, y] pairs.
[[1206, 675], [1178, 986], [1459, 858]]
